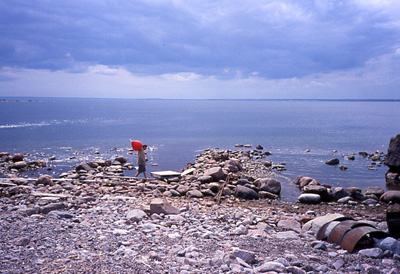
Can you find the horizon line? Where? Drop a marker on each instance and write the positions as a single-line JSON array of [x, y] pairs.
[[206, 99]]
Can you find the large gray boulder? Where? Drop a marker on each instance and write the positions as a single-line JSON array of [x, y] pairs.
[[244, 192], [269, 184], [216, 173], [392, 159]]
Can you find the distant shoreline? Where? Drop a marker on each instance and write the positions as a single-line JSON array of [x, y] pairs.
[[36, 99]]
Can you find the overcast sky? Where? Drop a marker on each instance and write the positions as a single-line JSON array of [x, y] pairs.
[[200, 49]]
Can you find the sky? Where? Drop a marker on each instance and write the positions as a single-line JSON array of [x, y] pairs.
[[200, 49]]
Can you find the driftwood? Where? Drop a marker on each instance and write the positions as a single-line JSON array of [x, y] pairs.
[[219, 194]]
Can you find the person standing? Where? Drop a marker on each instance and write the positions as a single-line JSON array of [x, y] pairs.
[[141, 161]]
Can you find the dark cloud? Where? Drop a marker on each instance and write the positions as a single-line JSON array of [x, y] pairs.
[[275, 39]]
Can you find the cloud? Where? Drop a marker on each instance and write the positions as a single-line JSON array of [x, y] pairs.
[[198, 42]]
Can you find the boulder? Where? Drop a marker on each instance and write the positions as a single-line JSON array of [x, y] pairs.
[[183, 189], [19, 165], [391, 196], [392, 159], [46, 180], [17, 157], [320, 190], [216, 173], [267, 195], [269, 185], [309, 198], [259, 147], [121, 159], [194, 193], [233, 165], [244, 192], [159, 206], [339, 193], [205, 179], [374, 190], [332, 162], [83, 166], [301, 181]]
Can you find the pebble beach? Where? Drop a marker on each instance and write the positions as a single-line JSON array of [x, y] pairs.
[[93, 219]]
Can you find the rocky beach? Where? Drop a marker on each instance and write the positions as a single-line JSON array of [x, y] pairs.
[[221, 214]]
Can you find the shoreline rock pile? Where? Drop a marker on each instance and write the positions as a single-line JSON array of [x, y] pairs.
[[222, 215]]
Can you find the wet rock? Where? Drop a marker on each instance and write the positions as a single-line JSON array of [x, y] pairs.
[[334, 161], [121, 159], [17, 157], [19, 165]]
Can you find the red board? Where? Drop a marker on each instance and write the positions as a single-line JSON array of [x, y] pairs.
[[136, 145]]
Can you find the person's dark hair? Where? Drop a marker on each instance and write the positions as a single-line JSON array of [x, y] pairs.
[[144, 146]]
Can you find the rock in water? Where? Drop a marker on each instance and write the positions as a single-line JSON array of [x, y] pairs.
[[334, 161]]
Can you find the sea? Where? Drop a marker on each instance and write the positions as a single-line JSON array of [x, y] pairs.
[[300, 134]]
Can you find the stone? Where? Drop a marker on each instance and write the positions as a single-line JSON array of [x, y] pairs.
[[244, 192], [375, 252], [318, 189], [233, 165], [259, 147], [194, 193], [339, 192], [159, 206], [289, 223], [309, 198], [121, 159], [287, 235], [247, 256], [17, 157], [135, 215], [19, 165], [205, 179], [83, 166], [271, 267], [389, 243], [295, 270], [182, 189], [267, 195], [46, 180], [391, 196], [269, 185], [392, 159], [216, 173], [51, 207], [334, 161], [374, 190]]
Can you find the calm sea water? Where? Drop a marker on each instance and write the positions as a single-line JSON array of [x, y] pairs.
[[178, 130]]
